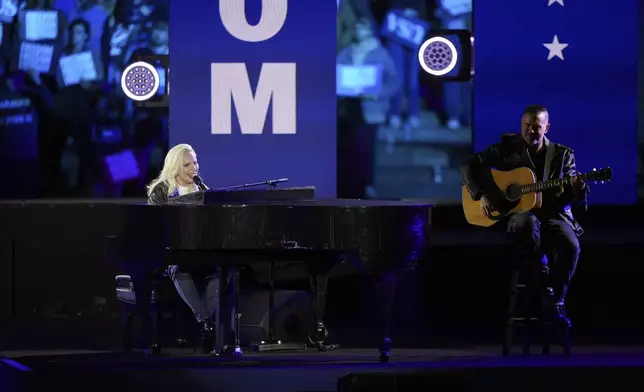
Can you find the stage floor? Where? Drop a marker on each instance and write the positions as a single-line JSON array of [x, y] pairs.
[[287, 371], [175, 357]]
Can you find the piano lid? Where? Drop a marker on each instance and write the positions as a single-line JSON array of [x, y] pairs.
[[242, 195]]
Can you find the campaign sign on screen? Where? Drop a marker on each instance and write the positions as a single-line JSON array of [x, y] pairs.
[[253, 90], [559, 62], [409, 30], [18, 127], [357, 80], [456, 7]]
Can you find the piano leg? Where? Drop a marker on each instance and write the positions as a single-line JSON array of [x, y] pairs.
[[219, 330], [143, 283], [386, 291], [235, 314], [237, 351], [318, 280], [272, 344]]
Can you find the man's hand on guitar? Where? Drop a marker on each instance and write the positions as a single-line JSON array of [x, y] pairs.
[[486, 207]]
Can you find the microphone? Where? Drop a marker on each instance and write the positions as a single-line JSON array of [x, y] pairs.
[[197, 180], [274, 183]]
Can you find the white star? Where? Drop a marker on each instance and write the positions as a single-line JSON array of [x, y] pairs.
[[551, 2], [555, 48]]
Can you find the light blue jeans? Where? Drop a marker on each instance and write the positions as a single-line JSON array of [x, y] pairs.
[[203, 307]]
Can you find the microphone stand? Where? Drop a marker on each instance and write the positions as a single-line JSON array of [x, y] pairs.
[[271, 183]]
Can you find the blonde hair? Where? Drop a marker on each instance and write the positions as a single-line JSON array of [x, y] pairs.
[[171, 168]]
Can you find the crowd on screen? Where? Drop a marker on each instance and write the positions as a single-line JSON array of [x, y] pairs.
[[81, 124], [406, 103], [90, 140], [404, 95]]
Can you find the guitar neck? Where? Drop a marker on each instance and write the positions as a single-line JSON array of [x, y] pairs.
[[545, 185]]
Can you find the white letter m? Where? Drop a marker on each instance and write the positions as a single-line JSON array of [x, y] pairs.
[[230, 83]]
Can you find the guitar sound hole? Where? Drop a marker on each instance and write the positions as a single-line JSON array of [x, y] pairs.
[[513, 192]]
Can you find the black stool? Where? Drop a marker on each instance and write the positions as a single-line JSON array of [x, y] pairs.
[[127, 296], [529, 294]]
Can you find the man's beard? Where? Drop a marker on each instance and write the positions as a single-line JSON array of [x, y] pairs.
[[532, 139]]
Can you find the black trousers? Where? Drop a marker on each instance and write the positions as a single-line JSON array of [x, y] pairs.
[[533, 236]]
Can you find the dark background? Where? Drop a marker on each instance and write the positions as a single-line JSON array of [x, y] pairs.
[[58, 291]]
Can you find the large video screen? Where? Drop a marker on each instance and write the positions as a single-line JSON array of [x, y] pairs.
[[578, 59], [254, 93], [405, 135], [401, 133], [64, 120]]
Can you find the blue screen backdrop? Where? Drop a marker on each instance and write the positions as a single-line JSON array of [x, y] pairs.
[[302, 146], [591, 94]]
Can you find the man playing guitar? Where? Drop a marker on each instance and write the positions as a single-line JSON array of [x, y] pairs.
[[553, 224]]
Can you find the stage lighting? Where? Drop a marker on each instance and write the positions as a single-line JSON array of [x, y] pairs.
[[438, 56], [140, 81]]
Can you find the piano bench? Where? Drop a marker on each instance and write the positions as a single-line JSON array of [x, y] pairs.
[[126, 294], [125, 290], [525, 319]]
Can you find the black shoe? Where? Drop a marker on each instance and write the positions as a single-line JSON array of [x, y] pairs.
[[559, 315], [556, 309], [207, 330]]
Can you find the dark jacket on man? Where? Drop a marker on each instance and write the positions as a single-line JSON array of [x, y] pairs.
[[511, 153]]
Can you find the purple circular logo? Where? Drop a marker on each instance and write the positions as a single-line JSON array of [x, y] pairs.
[[438, 56], [140, 81]]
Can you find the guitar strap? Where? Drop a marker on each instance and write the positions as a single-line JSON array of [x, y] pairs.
[[550, 154]]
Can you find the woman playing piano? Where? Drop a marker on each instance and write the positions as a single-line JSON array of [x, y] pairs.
[[178, 178]]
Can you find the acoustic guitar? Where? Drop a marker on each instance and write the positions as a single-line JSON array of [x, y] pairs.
[[522, 193]]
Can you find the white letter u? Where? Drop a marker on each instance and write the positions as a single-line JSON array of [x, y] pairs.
[[233, 17]]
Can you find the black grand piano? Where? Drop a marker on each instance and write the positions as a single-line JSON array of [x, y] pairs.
[[237, 226]]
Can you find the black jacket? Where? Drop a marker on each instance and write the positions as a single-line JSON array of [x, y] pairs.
[[159, 194], [512, 153]]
